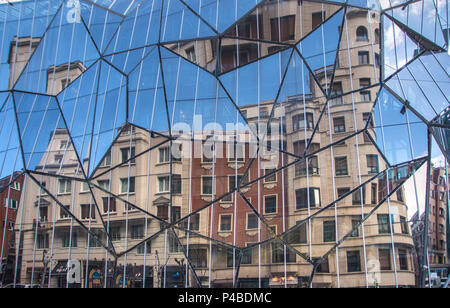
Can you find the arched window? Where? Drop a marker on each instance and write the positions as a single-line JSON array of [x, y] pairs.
[[361, 34]]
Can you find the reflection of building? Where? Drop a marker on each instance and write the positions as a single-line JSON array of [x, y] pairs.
[[10, 191], [170, 191], [437, 227]]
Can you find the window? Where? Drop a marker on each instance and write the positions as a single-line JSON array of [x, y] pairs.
[[144, 248], [233, 183], [63, 144], [13, 204], [336, 94], [252, 221], [207, 185], [163, 211], [312, 161], [43, 213], [58, 158], [374, 193], [190, 54], [372, 163], [403, 259], [384, 256], [329, 231], [342, 191], [355, 222], [137, 232], [271, 178], [68, 241], [199, 257], [243, 58], [176, 184], [377, 36], [247, 255], [400, 194], [84, 187], [404, 225], [15, 185], [279, 252], [106, 162], [353, 261], [364, 82], [270, 204], [302, 196], [109, 205], [361, 34], [298, 235], [225, 222], [104, 184], [235, 151], [42, 241], [313, 166], [96, 238], [377, 59], [163, 184], [383, 224], [298, 121], [87, 211], [164, 155], [65, 186], [176, 213], [63, 214], [127, 185], [127, 154], [285, 26], [324, 267], [317, 18], [64, 83], [194, 223], [356, 196], [341, 166], [114, 233], [365, 96], [339, 125], [363, 57], [366, 117]]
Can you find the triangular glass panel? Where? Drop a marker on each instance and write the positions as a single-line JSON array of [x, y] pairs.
[[200, 52], [118, 7], [110, 113], [47, 146], [422, 18], [128, 61], [27, 20], [147, 104], [102, 23], [399, 48], [180, 23], [10, 152], [319, 49], [210, 10], [258, 81], [298, 19], [140, 28], [396, 127], [249, 52], [78, 103], [407, 85], [65, 51], [201, 99]]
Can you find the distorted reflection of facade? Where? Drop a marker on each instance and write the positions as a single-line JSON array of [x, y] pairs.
[[170, 187]]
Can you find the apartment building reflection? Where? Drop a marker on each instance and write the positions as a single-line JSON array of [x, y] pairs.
[[168, 187]]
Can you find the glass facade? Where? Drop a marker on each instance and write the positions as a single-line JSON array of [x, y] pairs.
[[224, 143]]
